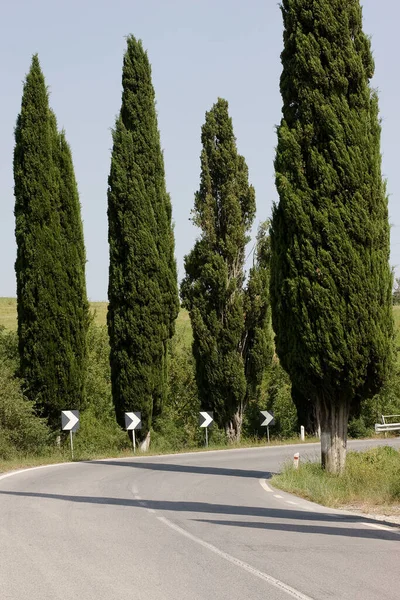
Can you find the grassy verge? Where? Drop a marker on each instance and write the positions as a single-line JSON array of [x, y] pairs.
[[371, 481], [63, 455]]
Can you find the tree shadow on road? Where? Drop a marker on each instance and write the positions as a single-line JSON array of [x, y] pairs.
[[317, 529], [206, 470], [296, 516]]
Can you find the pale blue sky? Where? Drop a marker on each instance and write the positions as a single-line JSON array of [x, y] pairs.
[[199, 50]]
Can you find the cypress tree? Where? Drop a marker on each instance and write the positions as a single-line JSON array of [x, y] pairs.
[[143, 296], [212, 290], [75, 307], [258, 346], [52, 357], [331, 281]]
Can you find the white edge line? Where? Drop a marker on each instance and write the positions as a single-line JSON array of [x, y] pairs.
[[236, 561], [265, 486], [18, 471]]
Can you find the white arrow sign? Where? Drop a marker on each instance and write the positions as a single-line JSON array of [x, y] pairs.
[[70, 420], [268, 418], [206, 418], [133, 420]]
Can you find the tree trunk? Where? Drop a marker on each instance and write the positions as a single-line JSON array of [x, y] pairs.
[[333, 419], [144, 445], [233, 427]]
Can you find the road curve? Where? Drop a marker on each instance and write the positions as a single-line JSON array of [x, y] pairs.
[[193, 527]]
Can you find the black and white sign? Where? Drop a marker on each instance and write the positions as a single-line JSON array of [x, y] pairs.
[[206, 418], [133, 420], [70, 420], [268, 418]]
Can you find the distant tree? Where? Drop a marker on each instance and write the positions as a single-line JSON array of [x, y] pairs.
[[258, 345], [51, 296], [143, 296], [212, 289], [331, 283], [396, 292]]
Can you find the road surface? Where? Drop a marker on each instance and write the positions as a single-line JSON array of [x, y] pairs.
[[190, 527]]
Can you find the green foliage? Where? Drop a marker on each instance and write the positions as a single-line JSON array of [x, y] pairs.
[[21, 431], [370, 478], [99, 433], [279, 401], [330, 281], [73, 301], [213, 287], [98, 379], [51, 296], [143, 301], [258, 347]]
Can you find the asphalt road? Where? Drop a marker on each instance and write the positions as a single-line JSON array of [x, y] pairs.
[[189, 527]]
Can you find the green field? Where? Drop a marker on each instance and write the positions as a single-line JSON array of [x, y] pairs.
[[8, 317]]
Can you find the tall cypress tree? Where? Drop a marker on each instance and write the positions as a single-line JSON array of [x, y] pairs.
[[258, 346], [212, 290], [331, 281], [75, 307], [48, 349], [143, 296]]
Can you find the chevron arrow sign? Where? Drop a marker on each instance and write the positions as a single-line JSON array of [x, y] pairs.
[[70, 420], [133, 420], [268, 418], [206, 418]]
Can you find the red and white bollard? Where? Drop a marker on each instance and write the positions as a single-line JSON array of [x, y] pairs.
[[296, 460]]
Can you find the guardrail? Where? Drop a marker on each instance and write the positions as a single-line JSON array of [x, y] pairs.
[[381, 428], [385, 426]]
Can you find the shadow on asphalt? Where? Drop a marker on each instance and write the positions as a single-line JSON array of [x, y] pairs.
[[249, 511], [186, 469], [318, 529]]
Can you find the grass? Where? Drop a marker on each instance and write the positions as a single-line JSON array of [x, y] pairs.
[[8, 317], [8, 313], [371, 480]]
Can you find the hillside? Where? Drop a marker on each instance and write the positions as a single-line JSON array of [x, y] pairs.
[[8, 317]]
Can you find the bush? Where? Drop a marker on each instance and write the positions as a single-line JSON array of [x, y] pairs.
[[99, 434], [98, 377], [178, 428], [21, 431], [358, 429], [279, 401]]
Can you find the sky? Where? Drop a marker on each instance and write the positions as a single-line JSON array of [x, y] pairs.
[[199, 50]]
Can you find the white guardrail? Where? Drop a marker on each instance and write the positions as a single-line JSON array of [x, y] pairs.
[[388, 426]]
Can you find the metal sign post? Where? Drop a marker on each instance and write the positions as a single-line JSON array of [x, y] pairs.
[[70, 422], [205, 420], [133, 420], [267, 420], [72, 443]]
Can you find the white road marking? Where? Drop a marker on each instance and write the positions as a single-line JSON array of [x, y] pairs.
[[235, 561], [265, 485], [277, 496], [18, 471], [290, 502], [376, 526]]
